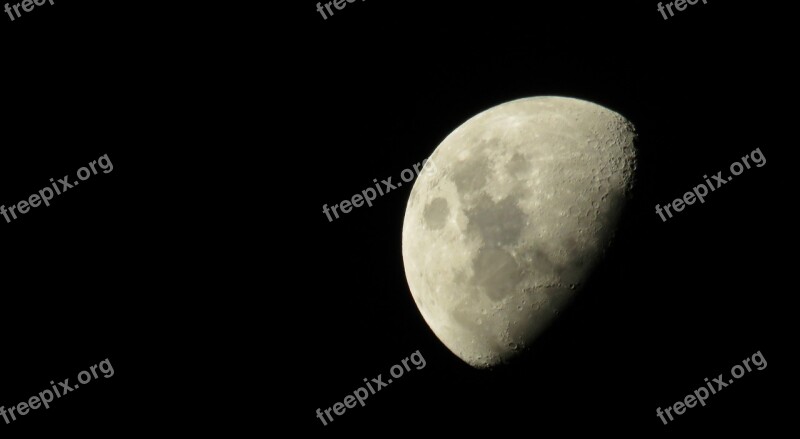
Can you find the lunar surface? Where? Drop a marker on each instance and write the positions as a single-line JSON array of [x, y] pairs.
[[525, 199]]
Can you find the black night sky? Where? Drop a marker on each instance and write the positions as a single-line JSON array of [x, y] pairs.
[[230, 126]]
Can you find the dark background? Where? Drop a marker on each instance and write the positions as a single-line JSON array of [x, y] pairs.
[[152, 265], [204, 269], [674, 303]]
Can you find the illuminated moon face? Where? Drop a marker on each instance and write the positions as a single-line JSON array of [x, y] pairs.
[[524, 201]]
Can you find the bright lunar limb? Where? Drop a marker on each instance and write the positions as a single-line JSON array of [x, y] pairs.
[[524, 201]]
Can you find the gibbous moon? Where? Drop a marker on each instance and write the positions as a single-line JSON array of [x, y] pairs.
[[525, 198]]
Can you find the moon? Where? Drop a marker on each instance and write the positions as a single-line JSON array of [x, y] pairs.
[[523, 200]]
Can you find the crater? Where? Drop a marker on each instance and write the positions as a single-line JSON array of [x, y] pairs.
[[436, 213], [498, 223], [496, 272], [471, 175]]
